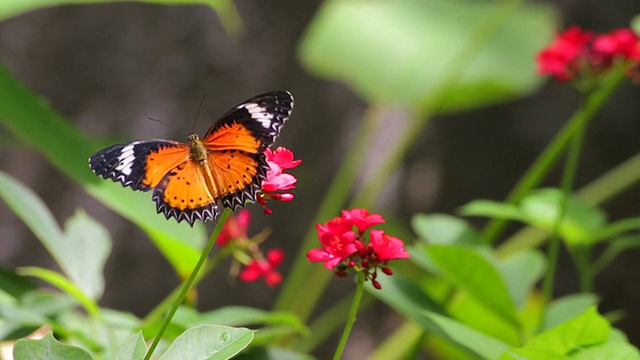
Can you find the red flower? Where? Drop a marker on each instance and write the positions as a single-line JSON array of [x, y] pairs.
[[619, 42], [387, 247], [279, 159], [261, 268], [282, 157], [344, 249], [362, 219], [236, 227], [561, 59], [335, 248], [335, 226]]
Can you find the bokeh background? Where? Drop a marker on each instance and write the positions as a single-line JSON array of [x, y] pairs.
[[109, 67]]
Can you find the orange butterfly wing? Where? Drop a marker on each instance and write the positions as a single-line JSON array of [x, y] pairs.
[[184, 195]]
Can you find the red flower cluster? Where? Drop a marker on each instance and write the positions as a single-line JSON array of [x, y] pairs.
[[277, 181], [264, 268], [343, 248], [578, 52], [247, 250]]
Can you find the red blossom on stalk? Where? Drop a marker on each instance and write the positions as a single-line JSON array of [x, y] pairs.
[[244, 249], [264, 268], [277, 180], [362, 219], [387, 247], [344, 249], [561, 59], [579, 53], [236, 227]]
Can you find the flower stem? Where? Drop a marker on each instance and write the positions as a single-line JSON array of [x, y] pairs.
[[543, 164], [190, 281], [568, 177], [352, 316]]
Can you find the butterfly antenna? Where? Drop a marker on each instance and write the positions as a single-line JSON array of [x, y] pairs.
[[193, 128], [160, 121]]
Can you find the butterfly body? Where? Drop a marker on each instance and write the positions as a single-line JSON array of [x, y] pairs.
[[190, 181]]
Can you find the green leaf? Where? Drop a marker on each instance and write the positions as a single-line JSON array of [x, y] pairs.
[[31, 120], [441, 229], [521, 272], [272, 353], [492, 209], [63, 284], [47, 348], [133, 348], [14, 284], [403, 51], [527, 354], [484, 346], [235, 316], [542, 208], [616, 348], [84, 252], [81, 250], [208, 342], [590, 328], [567, 308], [32, 211], [615, 247], [471, 272], [635, 24]]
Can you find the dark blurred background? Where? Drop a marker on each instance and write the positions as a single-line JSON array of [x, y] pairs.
[[108, 67]]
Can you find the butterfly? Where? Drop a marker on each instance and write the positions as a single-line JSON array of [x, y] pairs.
[[192, 181]]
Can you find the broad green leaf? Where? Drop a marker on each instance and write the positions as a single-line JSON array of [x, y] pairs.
[[484, 346], [468, 310], [13, 284], [22, 317], [635, 24], [441, 229], [590, 328], [403, 51], [404, 295], [81, 250], [272, 353], [521, 272], [527, 354], [615, 247], [471, 272], [616, 348], [542, 208], [133, 348], [208, 342], [63, 284], [492, 209], [84, 252], [47, 348], [32, 121], [32, 211], [235, 316], [567, 308]]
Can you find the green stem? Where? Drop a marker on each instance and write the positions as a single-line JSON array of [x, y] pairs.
[[351, 319], [568, 177], [582, 258], [161, 308], [550, 155], [190, 281]]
